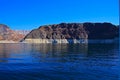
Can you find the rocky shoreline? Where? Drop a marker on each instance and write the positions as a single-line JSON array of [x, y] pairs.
[[70, 41], [4, 41]]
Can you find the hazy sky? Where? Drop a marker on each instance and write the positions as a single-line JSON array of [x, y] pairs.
[[30, 14]]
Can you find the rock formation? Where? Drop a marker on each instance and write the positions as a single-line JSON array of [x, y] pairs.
[[6, 34], [72, 33]]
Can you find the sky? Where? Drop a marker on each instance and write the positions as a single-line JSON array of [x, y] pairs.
[[30, 14]]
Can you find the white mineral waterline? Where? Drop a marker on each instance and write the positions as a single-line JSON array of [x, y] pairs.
[[55, 41], [6, 41]]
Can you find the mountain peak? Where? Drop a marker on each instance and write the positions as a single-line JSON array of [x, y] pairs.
[[9, 35]]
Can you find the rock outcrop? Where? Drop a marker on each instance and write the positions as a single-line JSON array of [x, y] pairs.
[[72, 33], [6, 34]]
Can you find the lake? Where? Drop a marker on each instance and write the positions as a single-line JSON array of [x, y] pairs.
[[59, 61]]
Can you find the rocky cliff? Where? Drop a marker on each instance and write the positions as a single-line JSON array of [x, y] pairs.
[[6, 34], [72, 33]]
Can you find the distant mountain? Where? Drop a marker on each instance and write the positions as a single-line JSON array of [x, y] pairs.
[[9, 35], [72, 32], [24, 32]]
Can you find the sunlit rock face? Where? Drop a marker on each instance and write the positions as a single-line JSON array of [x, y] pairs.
[[72, 33], [8, 35]]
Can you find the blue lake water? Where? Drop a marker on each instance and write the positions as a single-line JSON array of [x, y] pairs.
[[59, 62]]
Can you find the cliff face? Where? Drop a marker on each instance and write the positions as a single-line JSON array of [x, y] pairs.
[[101, 30], [6, 34], [72, 32]]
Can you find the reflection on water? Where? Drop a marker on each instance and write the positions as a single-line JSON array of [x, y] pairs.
[[59, 61], [40, 52]]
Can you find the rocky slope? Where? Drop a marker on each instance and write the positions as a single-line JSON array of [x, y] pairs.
[[72, 33], [6, 34]]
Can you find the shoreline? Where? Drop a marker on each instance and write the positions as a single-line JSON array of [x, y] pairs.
[[65, 41], [5, 41]]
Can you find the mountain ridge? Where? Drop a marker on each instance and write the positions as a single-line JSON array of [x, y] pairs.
[[6, 34], [73, 31]]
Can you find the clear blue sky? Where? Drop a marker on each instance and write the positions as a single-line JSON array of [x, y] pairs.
[[30, 14]]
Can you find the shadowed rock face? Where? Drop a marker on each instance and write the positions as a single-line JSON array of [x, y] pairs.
[[75, 31], [101, 30], [9, 35]]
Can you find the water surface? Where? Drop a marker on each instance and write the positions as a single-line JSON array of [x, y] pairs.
[[59, 62]]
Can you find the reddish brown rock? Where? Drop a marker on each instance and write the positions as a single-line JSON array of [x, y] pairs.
[[7, 34]]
